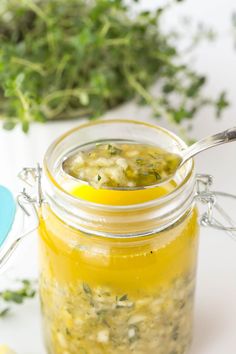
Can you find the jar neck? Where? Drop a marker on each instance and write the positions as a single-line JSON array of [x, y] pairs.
[[145, 218], [125, 220]]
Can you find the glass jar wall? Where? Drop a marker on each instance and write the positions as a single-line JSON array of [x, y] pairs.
[[117, 266]]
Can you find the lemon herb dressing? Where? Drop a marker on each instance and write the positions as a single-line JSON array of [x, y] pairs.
[[122, 165], [120, 296]]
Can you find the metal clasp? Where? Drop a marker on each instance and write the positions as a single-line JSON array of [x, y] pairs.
[[33, 178], [211, 200], [28, 205]]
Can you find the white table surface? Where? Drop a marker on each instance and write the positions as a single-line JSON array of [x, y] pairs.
[[215, 309]]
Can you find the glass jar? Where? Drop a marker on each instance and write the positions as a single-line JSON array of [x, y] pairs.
[[117, 266]]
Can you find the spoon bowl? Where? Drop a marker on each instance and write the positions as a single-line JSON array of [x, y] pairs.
[[224, 137]]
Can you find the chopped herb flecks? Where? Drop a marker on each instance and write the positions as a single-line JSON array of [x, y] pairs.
[[87, 289], [123, 298], [122, 165], [148, 322]]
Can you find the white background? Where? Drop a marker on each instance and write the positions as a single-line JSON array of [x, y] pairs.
[[215, 310]]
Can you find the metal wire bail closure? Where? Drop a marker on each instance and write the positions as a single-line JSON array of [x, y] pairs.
[[33, 178], [28, 205], [210, 199]]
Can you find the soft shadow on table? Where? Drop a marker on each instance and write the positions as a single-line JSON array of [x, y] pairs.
[[208, 325]]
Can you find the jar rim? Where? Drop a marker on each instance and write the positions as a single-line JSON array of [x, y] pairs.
[[65, 194]]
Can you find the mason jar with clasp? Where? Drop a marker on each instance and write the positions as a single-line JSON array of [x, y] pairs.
[[117, 265]]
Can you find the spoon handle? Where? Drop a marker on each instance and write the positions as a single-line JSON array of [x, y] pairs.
[[226, 136]]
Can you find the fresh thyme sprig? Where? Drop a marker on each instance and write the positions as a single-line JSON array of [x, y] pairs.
[[25, 291], [63, 59]]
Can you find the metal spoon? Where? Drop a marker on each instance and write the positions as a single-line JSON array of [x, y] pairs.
[[226, 136]]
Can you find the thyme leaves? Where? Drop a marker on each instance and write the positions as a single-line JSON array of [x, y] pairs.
[[123, 297], [87, 289], [25, 290], [122, 165], [4, 312], [61, 65], [113, 150]]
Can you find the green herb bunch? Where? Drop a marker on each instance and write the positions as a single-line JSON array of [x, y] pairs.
[[25, 290], [63, 59]]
